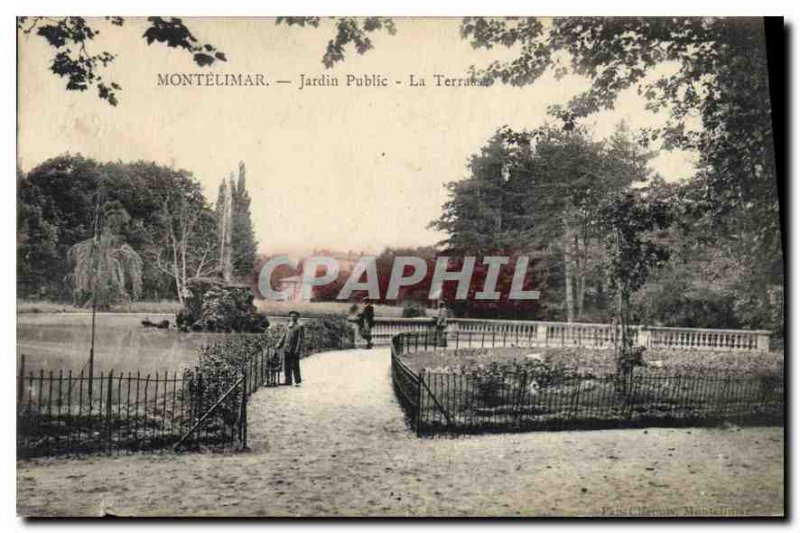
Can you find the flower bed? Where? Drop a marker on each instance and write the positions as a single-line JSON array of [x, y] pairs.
[[511, 388], [592, 360]]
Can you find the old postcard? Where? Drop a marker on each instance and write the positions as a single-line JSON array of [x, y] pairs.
[[399, 267]]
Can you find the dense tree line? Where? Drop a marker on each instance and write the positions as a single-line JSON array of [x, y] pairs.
[[156, 212], [599, 220], [709, 75]]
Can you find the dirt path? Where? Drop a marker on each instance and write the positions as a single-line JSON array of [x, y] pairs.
[[338, 446]]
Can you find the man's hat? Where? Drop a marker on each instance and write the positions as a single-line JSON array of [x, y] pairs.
[[294, 313]]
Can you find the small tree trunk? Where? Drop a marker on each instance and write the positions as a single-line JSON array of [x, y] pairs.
[[580, 258], [176, 273], [179, 287], [569, 273]]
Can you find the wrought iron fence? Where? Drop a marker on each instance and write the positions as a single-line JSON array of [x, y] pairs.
[[406, 383], [69, 413], [486, 400]]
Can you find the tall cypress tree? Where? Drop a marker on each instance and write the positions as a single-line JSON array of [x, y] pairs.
[[243, 240], [223, 212]]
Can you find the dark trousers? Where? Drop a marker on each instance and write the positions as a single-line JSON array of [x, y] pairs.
[[291, 365], [366, 333], [441, 336]]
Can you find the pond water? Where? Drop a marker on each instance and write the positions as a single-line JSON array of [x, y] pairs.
[[55, 341]]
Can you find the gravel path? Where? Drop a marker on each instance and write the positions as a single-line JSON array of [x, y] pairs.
[[338, 446]]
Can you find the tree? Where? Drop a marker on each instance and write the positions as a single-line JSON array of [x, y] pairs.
[[105, 269], [349, 30], [243, 240], [187, 248], [224, 224], [629, 222], [719, 79], [56, 210], [71, 37], [538, 193]]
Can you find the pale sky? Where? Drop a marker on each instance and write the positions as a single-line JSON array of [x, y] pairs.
[[349, 168]]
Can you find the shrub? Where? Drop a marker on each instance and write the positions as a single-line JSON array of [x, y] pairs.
[[216, 307], [327, 333], [499, 383], [219, 366], [413, 310]]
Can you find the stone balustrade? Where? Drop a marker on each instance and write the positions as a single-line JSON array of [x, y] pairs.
[[480, 332]]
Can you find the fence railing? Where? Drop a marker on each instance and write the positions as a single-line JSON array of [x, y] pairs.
[[61, 413], [57, 413], [540, 334], [464, 401], [406, 383], [228, 414]]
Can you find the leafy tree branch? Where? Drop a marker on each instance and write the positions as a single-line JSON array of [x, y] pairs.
[[82, 69]]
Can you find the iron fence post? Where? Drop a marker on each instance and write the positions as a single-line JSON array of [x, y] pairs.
[[420, 377], [243, 423], [21, 379]]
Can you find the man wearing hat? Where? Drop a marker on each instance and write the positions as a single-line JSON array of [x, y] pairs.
[[291, 342], [366, 322]]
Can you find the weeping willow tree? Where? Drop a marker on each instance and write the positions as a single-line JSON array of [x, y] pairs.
[[105, 270]]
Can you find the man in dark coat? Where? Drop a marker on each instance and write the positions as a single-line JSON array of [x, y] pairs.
[[367, 323], [292, 342], [441, 325]]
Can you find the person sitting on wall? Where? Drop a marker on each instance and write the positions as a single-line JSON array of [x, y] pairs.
[[292, 342]]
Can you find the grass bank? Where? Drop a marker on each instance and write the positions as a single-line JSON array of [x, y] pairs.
[[145, 306], [270, 308]]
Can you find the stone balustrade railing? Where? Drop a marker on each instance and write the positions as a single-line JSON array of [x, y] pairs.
[[482, 332]]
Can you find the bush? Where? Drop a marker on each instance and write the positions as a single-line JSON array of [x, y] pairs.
[[213, 306], [219, 366], [327, 333], [413, 310]]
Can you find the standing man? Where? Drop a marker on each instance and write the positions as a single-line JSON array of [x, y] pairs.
[[368, 321], [441, 325], [291, 342]]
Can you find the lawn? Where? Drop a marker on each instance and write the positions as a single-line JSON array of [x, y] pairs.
[[270, 308]]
